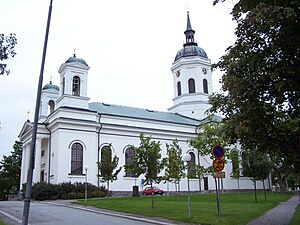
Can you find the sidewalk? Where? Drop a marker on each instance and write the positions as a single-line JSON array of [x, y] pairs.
[[280, 215]]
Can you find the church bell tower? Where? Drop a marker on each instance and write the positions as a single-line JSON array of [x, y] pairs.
[[73, 83], [192, 78]]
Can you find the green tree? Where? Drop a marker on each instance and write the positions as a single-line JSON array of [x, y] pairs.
[[174, 170], [236, 173], [147, 160], [108, 171], [211, 133], [7, 45], [257, 166], [10, 170], [261, 81], [282, 167]]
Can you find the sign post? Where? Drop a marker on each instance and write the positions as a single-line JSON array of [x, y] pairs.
[[218, 165]]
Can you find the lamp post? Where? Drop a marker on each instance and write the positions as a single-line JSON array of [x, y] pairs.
[[187, 157], [86, 167]]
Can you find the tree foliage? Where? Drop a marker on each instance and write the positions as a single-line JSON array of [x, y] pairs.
[[234, 156], [7, 45], [256, 165], [108, 171], [211, 134], [147, 160], [10, 170], [261, 81], [174, 164]]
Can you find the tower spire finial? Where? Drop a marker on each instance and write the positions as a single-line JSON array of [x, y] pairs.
[[188, 26], [189, 33], [74, 54]]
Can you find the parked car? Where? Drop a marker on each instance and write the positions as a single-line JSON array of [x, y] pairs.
[[154, 190]]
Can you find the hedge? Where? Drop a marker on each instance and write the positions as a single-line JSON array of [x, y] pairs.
[[67, 190]]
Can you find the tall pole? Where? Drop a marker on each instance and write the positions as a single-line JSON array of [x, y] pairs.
[[35, 125], [187, 158], [189, 197], [85, 194]]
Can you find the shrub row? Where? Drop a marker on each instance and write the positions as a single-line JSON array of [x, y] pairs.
[[67, 190]]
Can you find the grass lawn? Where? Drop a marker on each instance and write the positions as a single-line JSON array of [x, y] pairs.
[[237, 208], [296, 218]]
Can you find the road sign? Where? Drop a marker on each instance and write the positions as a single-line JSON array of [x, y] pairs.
[[219, 175], [218, 151], [218, 164]]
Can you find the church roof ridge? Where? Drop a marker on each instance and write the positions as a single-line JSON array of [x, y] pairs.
[[141, 113]]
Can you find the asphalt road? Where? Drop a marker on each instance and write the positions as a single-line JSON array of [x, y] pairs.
[[49, 214]]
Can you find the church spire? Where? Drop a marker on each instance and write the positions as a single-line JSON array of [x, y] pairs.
[[189, 33], [188, 26]]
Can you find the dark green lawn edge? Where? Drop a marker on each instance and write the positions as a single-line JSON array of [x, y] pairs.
[[296, 217]]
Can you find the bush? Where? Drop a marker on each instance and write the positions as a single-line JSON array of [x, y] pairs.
[[67, 190]]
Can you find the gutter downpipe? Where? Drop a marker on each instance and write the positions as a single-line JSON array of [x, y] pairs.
[[49, 155], [198, 154], [98, 145]]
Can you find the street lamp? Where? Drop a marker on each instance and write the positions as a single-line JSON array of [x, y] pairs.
[[86, 167], [187, 157]]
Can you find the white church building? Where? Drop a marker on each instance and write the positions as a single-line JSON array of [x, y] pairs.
[[72, 131]]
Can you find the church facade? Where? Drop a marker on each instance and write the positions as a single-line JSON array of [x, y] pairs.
[[72, 131]]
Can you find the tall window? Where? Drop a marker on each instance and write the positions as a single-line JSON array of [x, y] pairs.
[[234, 155], [192, 166], [205, 87], [179, 88], [76, 86], [76, 159], [245, 162], [192, 88], [63, 86], [105, 153], [51, 106], [128, 159]]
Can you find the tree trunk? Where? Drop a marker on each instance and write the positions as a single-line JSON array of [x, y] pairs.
[[199, 175], [108, 189], [264, 190], [199, 183], [238, 183], [282, 184], [255, 190]]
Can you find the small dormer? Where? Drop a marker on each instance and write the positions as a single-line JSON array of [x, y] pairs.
[[73, 83], [50, 93]]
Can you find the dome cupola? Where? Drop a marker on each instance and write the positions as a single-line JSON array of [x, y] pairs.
[[51, 86], [74, 59], [190, 48]]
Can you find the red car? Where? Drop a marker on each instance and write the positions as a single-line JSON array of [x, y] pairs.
[[154, 190]]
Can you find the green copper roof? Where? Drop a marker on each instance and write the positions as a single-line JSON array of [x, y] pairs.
[[124, 111], [74, 59]]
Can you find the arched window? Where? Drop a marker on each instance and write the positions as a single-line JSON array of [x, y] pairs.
[[76, 86], [205, 87], [105, 154], [179, 88], [192, 88], [245, 163], [128, 159], [76, 159], [192, 166], [51, 106]]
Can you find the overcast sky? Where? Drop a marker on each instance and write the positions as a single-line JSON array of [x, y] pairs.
[[129, 45]]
